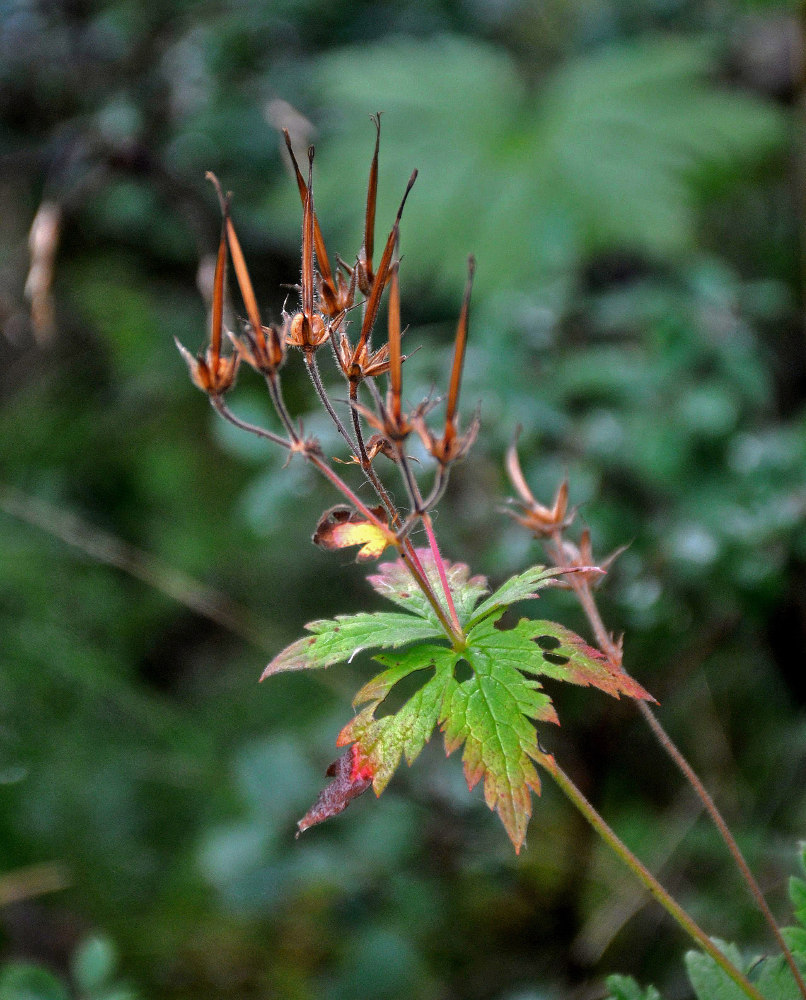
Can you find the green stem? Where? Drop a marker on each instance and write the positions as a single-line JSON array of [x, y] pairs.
[[276, 396], [223, 410], [582, 589], [672, 907], [407, 550], [710, 806], [413, 563]]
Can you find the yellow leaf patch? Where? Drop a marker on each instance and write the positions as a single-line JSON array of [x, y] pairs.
[[341, 527]]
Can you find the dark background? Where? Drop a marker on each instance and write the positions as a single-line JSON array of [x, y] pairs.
[[630, 176]]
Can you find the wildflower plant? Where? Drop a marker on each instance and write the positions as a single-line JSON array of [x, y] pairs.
[[447, 616], [480, 679]]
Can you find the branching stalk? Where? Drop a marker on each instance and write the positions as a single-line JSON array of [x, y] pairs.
[[221, 407], [276, 395]]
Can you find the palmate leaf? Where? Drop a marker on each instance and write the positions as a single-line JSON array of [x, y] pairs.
[[491, 714], [609, 150], [626, 988]]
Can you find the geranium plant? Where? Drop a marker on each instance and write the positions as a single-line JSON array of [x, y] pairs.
[[480, 680]]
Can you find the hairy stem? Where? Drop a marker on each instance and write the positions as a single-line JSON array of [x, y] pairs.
[[419, 511], [439, 486], [405, 547], [276, 395], [408, 551], [366, 462], [710, 806], [221, 407], [672, 907], [316, 378]]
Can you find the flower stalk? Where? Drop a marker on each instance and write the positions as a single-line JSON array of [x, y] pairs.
[[672, 907]]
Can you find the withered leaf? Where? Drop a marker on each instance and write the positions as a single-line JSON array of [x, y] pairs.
[[352, 776], [341, 527]]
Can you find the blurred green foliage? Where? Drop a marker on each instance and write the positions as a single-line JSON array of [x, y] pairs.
[[628, 175]]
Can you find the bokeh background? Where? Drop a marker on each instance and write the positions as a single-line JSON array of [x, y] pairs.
[[630, 175]]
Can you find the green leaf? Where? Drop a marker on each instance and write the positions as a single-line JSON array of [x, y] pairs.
[[797, 893], [383, 741], [795, 937], [518, 588], [550, 650], [335, 640], [710, 982], [626, 988], [490, 715], [24, 981], [609, 150], [93, 962], [395, 582], [775, 980]]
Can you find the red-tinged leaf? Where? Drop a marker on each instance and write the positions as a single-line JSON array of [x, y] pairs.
[[341, 527], [342, 638], [352, 776], [394, 582], [547, 649], [384, 741], [490, 714]]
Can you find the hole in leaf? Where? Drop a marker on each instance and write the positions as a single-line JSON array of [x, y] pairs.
[[547, 642], [462, 672], [506, 621], [561, 661], [405, 688]]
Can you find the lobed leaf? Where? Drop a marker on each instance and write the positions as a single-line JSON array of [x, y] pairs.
[[518, 588], [710, 982], [335, 640], [797, 893], [394, 582], [609, 149], [384, 741], [795, 937], [490, 715], [547, 649]]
